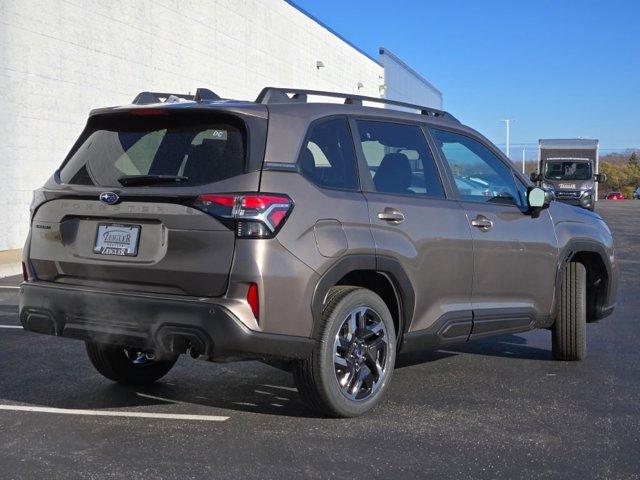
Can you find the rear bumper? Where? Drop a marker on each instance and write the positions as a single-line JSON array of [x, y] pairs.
[[151, 322]]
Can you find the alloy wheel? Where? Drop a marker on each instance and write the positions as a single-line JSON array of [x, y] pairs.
[[138, 357], [360, 354]]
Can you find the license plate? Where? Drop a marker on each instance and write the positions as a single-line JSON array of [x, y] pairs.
[[117, 239]]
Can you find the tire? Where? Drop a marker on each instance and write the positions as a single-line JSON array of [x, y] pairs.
[[127, 366], [569, 332], [363, 316]]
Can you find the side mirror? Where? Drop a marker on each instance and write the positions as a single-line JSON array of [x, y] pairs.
[[535, 177], [601, 177], [537, 199]]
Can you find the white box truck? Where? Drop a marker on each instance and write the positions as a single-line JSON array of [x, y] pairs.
[[569, 168]]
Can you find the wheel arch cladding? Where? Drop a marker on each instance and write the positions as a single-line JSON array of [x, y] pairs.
[[597, 282], [382, 275], [600, 277]]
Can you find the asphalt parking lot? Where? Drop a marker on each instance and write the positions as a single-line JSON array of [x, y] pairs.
[[499, 408]]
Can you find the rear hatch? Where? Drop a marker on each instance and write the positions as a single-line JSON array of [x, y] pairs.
[[121, 213]]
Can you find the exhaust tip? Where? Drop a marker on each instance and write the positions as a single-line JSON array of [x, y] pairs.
[[178, 339]]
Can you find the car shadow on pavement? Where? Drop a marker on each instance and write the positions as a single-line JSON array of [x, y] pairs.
[[421, 357], [509, 346], [192, 388], [261, 398], [254, 398], [197, 387]]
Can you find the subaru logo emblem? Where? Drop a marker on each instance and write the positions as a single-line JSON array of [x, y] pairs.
[[109, 197]]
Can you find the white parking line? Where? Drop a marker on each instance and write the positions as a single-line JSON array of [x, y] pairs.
[[290, 389], [10, 287], [262, 392], [161, 399], [10, 326], [106, 413]]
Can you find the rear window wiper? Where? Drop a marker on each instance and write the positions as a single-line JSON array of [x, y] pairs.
[[150, 179]]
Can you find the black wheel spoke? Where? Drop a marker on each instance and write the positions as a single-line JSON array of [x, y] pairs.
[[351, 327], [362, 322], [372, 330], [371, 356], [348, 377], [343, 344], [341, 361], [362, 379], [376, 343]]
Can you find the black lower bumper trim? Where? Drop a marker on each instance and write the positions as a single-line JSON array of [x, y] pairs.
[[157, 323]]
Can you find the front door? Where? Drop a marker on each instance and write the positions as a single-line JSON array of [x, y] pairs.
[[414, 222], [514, 252]]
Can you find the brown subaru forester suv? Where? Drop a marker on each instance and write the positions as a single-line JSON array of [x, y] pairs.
[[321, 236]]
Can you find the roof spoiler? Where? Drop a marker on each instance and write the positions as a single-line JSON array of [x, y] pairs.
[[281, 95], [202, 95]]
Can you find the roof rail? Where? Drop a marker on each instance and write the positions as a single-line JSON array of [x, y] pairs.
[[280, 95], [202, 94], [205, 95]]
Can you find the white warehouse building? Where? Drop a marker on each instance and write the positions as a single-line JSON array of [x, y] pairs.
[[58, 60]]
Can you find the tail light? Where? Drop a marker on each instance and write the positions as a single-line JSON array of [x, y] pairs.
[[251, 215]]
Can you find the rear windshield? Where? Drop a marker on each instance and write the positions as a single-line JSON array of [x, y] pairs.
[[196, 148]]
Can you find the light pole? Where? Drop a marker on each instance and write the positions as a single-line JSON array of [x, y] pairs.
[[523, 160], [507, 122]]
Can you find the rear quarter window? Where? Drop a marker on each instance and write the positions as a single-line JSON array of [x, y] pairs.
[[328, 157], [202, 148]]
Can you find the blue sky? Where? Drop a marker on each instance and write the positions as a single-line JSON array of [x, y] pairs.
[[560, 68]]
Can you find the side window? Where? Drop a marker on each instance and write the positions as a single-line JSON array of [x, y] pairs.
[[399, 159], [328, 158], [479, 175]]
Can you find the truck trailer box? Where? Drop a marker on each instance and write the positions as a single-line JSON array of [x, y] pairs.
[[569, 168]]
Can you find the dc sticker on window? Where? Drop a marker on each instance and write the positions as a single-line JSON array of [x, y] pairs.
[[218, 134]]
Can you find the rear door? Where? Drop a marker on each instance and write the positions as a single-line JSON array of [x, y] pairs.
[[414, 222], [122, 212], [515, 253]]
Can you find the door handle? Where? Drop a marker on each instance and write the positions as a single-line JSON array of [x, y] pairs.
[[391, 215], [482, 222]]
